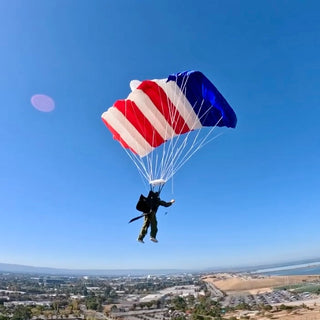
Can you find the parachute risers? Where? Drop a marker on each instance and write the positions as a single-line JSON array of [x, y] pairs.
[[157, 185], [157, 182]]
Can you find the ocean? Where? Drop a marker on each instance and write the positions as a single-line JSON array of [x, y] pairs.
[[296, 272], [295, 269]]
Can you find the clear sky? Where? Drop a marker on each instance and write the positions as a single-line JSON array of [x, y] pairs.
[[68, 190]]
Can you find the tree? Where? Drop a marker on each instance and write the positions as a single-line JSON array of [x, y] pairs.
[[179, 303], [206, 307], [93, 303], [191, 299], [22, 313]]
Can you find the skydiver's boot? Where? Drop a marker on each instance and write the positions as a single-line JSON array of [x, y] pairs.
[[140, 240], [153, 239]]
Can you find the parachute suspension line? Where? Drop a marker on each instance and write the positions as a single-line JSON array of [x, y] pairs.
[[169, 158], [170, 170], [135, 158], [174, 156], [157, 165], [139, 164], [156, 172], [167, 146], [149, 160], [205, 142], [186, 159], [197, 143], [197, 146], [156, 159], [167, 154], [142, 166], [183, 144], [168, 167]]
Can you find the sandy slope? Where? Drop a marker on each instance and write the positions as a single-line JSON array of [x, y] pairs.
[[231, 283], [235, 283]]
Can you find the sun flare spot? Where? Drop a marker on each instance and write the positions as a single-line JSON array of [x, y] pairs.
[[42, 102]]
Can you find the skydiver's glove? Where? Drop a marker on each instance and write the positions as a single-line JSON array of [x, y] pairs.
[[172, 201]]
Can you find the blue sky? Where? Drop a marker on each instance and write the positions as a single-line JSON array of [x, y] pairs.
[[67, 188]]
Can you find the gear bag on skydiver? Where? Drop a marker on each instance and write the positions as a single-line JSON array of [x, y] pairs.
[[143, 204]]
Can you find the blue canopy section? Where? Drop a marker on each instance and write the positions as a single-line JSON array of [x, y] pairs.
[[208, 103]]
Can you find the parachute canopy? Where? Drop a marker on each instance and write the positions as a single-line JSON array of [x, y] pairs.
[[162, 112]]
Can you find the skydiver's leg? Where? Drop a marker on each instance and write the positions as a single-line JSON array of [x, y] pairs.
[[154, 225], [144, 228]]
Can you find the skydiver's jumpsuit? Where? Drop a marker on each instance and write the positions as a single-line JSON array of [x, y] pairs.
[[150, 217]]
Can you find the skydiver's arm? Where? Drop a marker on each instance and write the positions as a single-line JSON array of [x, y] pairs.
[[166, 204]]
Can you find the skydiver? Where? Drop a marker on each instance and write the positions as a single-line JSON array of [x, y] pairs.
[[152, 203]]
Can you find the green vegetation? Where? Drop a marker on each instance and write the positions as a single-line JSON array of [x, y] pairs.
[[22, 313], [206, 309], [311, 287], [179, 303]]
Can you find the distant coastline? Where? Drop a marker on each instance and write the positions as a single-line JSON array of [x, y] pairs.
[[302, 267], [309, 268], [16, 268]]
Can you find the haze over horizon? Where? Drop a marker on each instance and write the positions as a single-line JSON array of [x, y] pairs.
[[260, 268], [68, 189]]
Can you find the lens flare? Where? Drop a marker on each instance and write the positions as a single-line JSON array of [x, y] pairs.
[[43, 102]]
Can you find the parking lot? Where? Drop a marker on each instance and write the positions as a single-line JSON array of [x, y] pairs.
[[270, 298]]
